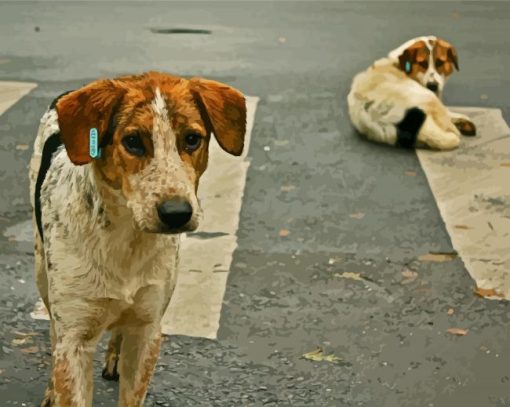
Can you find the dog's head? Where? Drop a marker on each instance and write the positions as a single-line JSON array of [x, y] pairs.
[[153, 130], [427, 60]]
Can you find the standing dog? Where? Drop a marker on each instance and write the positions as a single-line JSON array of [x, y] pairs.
[[398, 99], [113, 181]]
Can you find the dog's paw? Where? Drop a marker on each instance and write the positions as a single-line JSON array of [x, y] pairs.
[[466, 127], [110, 372]]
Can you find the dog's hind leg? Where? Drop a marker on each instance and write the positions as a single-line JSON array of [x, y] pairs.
[[110, 370], [463, 124], [434, 137], [408, 128]]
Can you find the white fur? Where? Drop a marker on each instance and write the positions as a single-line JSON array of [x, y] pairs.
[[380, 96]]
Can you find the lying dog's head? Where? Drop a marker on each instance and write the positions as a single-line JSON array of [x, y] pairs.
[[154, 131], [427, 60]]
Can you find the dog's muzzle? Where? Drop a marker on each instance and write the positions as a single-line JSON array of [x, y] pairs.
[[175, 213]]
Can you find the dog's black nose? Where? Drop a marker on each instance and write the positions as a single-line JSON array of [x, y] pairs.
[[175, 213], [433, 86]]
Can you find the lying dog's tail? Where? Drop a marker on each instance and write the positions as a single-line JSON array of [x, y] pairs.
[[409, 127]]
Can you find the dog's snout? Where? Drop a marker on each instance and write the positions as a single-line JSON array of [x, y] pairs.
[[433, 86], [175, 213]]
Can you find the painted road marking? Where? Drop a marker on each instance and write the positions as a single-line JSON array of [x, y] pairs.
[[11, 92], [472, 188], [206, 255]]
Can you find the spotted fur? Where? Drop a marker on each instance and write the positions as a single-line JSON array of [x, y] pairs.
[[106, 261]]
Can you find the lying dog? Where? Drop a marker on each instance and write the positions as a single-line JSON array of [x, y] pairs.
[[113, 181], [398, 99]]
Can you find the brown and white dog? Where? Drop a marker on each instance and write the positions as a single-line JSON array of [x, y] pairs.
[[397, 100], [107, 229]]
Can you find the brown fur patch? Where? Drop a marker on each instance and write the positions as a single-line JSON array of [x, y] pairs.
[[445, 57], [466, 127], [135, 397], [63, 382], [417, 55]]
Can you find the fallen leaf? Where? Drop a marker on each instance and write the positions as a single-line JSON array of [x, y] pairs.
[[451, 311], [484, 96], [409, 276], [411, 173], [437, 257], [282, 40], [22, 147], [488, 293], [457, 331], [283, 232], [319, 356], [287, 188], [357, 215], [21, 341], [465, 227], [507, 165], [350, 276], [31, 349]]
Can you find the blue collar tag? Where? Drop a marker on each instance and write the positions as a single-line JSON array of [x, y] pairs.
[[407, 67], [94, 149]]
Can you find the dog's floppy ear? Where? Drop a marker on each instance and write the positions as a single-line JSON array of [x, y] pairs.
[[89, 107], [453, 56], [446, 52], [224, 111], [416, 53]]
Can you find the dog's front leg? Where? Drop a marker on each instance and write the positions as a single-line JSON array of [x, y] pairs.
[[78, 325], [138, 356]]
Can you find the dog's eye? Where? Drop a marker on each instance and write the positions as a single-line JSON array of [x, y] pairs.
[[192, 141], [439, 63], [133, 143]]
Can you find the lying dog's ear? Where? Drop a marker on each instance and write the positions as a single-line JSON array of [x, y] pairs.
[[446, 52], [453, 57], [224, 111], [414, 54], [78, 112]]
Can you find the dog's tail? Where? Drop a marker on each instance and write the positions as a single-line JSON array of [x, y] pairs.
[[409, 127]]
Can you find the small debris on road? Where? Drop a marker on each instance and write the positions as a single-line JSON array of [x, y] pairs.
[[410, 173], [409, 276], [451, 311], [438, 257], [350, 276], [287, 188], [465, 227], [21, 147], [31, 349], [283, 233], [457, 331], [488, 293], [357, 215], [319, 356]]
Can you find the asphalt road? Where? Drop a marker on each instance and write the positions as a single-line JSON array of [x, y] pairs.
[[348, 205]]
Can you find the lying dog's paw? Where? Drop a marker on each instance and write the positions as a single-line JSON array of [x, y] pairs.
[[466, 127], [110, 372]]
